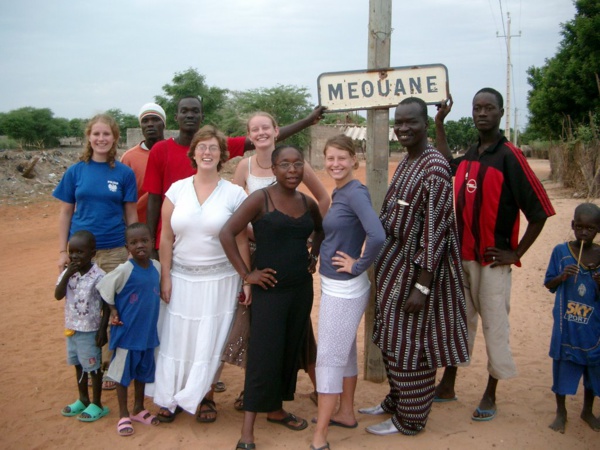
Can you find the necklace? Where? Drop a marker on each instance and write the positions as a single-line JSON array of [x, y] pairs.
[[258, 164]]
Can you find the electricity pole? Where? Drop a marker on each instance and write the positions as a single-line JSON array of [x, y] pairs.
[[508, 75]]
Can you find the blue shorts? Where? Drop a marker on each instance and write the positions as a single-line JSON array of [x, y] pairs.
[[566, 376], [82, 351], [128, 365]]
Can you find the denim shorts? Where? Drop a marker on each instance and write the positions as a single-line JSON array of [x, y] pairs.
[[82, 351]]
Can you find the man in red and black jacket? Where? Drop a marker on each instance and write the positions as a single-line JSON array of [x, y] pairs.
[[493, 183]]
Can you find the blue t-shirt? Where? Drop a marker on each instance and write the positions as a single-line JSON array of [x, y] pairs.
[[576, 329], [135, 292], [99, 194], [349, 221]]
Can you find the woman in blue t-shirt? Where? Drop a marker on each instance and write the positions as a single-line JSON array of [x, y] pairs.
[[98, 194]]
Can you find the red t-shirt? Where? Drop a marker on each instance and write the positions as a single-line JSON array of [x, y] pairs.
[[168, 162]]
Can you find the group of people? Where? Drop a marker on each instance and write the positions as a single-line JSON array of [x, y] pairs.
[[442, 254]]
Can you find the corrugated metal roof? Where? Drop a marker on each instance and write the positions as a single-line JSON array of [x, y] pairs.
[[360, 133]]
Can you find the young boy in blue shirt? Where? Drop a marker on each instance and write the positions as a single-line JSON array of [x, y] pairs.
[[86, 320], [132, 292], [574, 276]]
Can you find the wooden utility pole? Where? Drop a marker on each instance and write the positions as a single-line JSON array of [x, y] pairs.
[[380, 30]]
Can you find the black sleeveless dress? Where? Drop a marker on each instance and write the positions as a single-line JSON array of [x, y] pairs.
[[280, 314]]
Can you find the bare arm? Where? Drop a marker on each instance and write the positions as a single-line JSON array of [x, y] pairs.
[[441, 143], [312, 119], [65, 215], [242, 244], [130, 213], [241, 173], [167, 238], [507, 257], [237, 223], [316, 188], [153, 212]]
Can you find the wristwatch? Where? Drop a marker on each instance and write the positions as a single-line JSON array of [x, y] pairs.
[[424, 290]]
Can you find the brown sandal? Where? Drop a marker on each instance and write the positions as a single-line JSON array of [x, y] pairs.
[[238, 404]]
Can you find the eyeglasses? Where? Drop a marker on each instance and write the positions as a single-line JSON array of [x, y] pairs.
[[287, 165], [212, 148]]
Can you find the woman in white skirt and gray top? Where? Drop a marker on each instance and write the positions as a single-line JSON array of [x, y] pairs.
[[345, 287]]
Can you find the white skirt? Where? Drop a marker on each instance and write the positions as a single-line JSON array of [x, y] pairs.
[[193, 329]]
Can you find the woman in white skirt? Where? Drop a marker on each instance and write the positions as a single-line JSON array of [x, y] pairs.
[[198, 282], [349, 223]]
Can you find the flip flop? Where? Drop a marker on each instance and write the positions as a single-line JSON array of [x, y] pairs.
[[290, 418], [324, 447], [94, 412], [75, 409], [335, 423], [491, 412], [437, 399], [145, 417], [220, 387], [108, 385], [124, 426], [245, 445]]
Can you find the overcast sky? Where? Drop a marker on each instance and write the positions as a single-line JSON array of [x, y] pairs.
[[80, 57]]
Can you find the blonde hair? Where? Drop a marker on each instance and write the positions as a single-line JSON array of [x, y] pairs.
[[342, 142], [88, 151], [261, 114]]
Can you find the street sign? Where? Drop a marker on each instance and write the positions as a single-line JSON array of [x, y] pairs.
[[383, 88]]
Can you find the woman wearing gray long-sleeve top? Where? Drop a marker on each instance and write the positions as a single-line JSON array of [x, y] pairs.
[[349, 223]]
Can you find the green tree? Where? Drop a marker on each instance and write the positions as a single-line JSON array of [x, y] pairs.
[[76, 128], [34, 126], [567, 85], [191, 83], [124, 121], [287, 104]]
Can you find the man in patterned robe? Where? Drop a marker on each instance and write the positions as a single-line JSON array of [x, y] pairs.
[[420, 315]]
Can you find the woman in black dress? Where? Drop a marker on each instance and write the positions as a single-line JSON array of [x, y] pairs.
[[282, 289]]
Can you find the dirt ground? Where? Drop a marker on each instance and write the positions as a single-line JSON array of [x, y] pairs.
[[35, 382]]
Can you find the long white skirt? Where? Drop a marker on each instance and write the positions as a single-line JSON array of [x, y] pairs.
[[194, 327]]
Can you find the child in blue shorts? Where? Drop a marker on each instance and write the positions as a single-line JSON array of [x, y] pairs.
[[574, 275], [132, 292], [86, 321]]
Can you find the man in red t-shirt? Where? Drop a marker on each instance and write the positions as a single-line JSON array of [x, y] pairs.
[[168, 161]]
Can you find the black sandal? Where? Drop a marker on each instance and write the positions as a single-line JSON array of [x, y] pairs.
[[210, 408], [245, 446], [169, 416]]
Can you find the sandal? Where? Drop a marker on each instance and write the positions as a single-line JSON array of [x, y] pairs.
[[125, 427], [324, 447], [166, 416], [108, 385], [145, 417], [75, 408], [239, 402], [209, 408], [220, 387], [245, 445], [286, 422]]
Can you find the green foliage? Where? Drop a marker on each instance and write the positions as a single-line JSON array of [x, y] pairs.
[[350, 118], [287, 104], [124, 121], [566, 86], [460, 134], [36, 126], [8, 144], [76, 127], [191, 83]]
